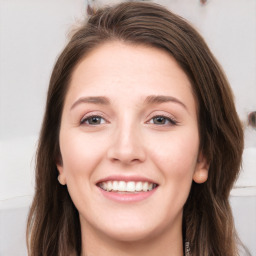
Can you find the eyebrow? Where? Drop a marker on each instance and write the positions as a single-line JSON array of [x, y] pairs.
[[158, 99], [152, 99], [92, 99]]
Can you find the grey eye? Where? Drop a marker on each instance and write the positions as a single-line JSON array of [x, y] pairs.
[[159, 120], [162, 120], [93, 120]]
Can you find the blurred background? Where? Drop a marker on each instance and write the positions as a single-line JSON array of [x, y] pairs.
[[33, 33]]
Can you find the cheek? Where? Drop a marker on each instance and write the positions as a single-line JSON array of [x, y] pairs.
[[175, 158], [80, 154], [177, 155]]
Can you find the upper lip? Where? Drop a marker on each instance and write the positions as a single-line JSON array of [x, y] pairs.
[[126, 178]]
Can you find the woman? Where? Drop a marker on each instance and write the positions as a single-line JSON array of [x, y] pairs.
[[140, 144]]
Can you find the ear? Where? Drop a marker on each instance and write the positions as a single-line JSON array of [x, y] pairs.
[[201, 170], [61, 177]]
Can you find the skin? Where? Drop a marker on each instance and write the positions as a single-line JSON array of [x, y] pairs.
[[128, 140]]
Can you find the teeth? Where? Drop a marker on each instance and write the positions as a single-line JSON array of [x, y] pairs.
[[115, 185], [109, 186], [145, 186], [138, 186], [130, 186], [122, 186], [104, 185]]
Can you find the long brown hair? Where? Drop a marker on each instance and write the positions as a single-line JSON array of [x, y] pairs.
[[53, 224]]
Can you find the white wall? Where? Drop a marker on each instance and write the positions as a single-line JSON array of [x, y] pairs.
[[32, 33]]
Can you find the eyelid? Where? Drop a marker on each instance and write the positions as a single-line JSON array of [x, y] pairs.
[[93, 114], [168, 116]]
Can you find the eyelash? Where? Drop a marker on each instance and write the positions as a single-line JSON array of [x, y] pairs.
[[87, 118], [170, 120]]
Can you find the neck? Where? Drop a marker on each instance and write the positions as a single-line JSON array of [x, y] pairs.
[[164, 244]]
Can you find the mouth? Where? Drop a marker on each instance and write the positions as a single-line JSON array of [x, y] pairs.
[[121, 186]]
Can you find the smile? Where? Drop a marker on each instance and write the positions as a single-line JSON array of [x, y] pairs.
[[127, 187]]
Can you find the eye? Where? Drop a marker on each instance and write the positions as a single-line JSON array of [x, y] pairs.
[[162, 120], [93, 120]]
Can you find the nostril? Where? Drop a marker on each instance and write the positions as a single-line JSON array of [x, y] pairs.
[[126, 160], [126, 155], [126, 146]]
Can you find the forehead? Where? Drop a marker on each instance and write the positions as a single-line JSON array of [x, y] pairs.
[[117, 68], [115, 56]]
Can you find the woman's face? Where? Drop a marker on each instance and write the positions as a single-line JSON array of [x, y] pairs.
[[129, 142]]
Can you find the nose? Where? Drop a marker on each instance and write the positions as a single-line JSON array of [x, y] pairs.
[[127, 146]]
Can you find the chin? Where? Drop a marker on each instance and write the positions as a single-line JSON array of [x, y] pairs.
[[132, 235], [133, 230]]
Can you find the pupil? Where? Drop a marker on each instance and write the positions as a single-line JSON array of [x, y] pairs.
[[95, 120], [160, 120]]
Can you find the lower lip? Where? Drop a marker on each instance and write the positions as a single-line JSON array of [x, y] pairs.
[[127, 197]]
